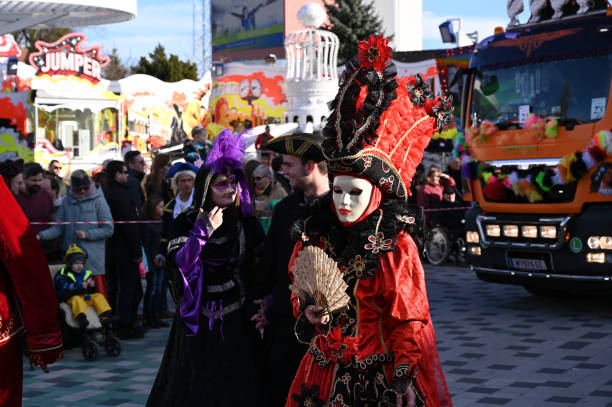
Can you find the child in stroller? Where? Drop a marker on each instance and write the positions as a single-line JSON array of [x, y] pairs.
[[75, 289]]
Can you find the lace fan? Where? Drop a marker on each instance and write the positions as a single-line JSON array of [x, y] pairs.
[[317, 279]]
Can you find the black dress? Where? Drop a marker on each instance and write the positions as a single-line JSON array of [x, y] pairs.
[[219, 365]]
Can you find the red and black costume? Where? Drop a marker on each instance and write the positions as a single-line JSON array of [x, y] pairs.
[[24, 279], [383, 343]]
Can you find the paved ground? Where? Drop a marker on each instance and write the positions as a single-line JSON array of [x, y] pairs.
[[498, 345]]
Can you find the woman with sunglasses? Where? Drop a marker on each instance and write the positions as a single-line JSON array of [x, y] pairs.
[[210, 357]]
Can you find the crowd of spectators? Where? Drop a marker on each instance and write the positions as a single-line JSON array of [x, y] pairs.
[[121, 255]]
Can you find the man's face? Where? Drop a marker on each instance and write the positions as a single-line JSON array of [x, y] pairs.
[[295, 171], [34, 183], [185, 184], [138, 164], [455, 164], [122, 176], [55, 168]]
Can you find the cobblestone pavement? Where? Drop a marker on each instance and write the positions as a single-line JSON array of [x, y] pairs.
[[498, 344]]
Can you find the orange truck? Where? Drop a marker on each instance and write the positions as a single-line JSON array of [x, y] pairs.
[[538, 154]]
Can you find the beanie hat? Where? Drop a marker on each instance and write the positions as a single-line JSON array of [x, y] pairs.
[[74, 257], [79, 178]]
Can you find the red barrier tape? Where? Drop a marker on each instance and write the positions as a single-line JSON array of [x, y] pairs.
[[97, 222], [159, 221], [447, 209]]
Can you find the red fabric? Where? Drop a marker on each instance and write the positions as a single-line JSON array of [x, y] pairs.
[[24, 274], [100, 280], [262, 139], [37, 208], [375, 199], [393, 317], [401, 135], [11, 373]]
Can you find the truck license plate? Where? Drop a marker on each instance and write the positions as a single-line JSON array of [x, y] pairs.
[[528, 264]]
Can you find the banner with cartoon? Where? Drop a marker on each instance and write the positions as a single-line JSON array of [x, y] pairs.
[[246, 96]]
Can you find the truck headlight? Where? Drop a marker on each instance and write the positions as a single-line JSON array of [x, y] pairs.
[[593, 242], [475, 250], [471, 236], [596, 257], [493, 230], [548, 232], [529, 231], [511, 230], [605, 242]]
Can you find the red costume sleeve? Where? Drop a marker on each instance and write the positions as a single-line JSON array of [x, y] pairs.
[[403, 284], [29, 274], [295, 302]]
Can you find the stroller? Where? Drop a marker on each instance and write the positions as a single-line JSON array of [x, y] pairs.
[[96, 334], [88, 333]]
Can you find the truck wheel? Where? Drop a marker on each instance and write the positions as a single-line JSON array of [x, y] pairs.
[[437, 246]]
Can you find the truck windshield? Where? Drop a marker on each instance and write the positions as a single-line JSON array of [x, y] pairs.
[[573, 90]]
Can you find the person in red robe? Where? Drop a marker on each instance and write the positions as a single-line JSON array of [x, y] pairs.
[[27, 301], [380, 349]]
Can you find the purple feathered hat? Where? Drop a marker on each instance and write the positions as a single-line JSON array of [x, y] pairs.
[[226, 156]]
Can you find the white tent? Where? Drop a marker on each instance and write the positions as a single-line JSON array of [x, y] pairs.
[[18, 15]]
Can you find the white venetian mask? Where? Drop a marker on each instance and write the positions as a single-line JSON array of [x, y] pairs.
[[351, 197]]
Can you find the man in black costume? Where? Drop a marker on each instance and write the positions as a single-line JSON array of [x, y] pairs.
[[305, 165]]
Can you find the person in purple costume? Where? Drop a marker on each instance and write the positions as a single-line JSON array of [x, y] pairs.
[[211, 357]]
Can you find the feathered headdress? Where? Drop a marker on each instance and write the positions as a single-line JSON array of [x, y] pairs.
[[380, 125], [225, 157], [226, 153]]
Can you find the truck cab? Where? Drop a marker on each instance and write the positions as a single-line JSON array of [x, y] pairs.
[[538, 152]]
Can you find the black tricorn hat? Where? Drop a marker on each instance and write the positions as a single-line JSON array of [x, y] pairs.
[[306, 145]]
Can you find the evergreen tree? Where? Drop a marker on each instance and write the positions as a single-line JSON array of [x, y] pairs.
[[115, 70], [352, 21], [27, 38], [168, 69]]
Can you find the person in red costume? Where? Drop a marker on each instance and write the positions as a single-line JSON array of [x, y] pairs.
[[380, 350], [25, 280]]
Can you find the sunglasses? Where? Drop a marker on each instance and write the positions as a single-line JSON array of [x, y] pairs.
[[55, 168], [125, 172], [258, 178], [82, 188]]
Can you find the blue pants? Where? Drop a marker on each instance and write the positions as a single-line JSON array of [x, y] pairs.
[[155, 285]]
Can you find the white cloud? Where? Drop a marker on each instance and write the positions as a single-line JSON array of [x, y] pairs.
[[484, 25]]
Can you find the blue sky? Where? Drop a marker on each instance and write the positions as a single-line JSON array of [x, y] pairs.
[[170, 23]]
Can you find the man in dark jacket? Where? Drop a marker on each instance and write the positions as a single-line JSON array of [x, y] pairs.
[[124, 251], [136, 167], [306, 168]]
